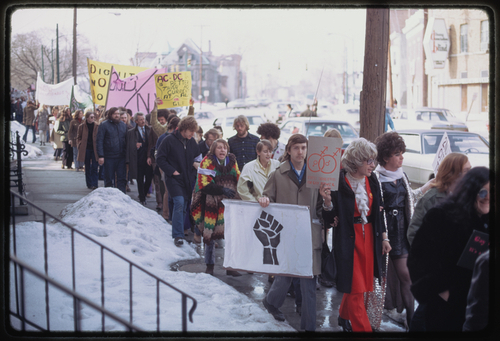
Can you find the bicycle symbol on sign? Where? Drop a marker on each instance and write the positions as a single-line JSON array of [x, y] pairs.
[[323, 162]]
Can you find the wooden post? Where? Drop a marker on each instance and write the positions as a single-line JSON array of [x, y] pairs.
[[373, 95]]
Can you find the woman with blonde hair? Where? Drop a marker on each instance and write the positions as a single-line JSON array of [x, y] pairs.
[[360, 236]]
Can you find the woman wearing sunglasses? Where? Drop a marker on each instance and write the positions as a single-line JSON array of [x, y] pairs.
[[360, 238], [440, 285]]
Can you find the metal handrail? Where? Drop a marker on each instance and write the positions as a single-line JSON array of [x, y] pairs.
[[102, 247], [77, 297]]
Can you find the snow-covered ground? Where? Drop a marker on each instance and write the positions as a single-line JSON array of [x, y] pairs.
[[33, 151], [142, 236]]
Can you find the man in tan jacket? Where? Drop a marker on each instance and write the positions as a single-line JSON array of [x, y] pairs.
[[287, 185]]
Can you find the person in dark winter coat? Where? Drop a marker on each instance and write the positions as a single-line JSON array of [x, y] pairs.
[[86, 137], [360, 238], [398, 200], [476, 314], [111, 148], [439, 283], [243, 144], [139, 159], [63, 130], [176, 158], [73, 131]]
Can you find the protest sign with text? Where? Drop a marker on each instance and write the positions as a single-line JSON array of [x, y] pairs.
[[100, 73], [173, 89], [136, 93], [54, 94], [323, 161], [273, 240], [443, 150]]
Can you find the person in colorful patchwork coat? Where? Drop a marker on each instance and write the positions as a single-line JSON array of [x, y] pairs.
[[218, 176]]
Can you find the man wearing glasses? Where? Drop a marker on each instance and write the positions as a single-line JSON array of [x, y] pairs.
[[87, 148]]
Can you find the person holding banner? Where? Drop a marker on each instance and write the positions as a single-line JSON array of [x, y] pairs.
[[218, 176], [441, 282], [360, 238], [399, 200], [287, 185]]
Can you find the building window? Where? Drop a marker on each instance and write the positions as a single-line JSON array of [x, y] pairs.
[[485, 36], [463, 38]]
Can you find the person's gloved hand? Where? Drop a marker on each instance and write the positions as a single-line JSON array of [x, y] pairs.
[[228, 192]]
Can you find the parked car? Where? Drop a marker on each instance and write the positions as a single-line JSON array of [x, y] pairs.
[[422, 145], [238, 104], [225, 119], [317, 126], [429, 118], [325, 109]]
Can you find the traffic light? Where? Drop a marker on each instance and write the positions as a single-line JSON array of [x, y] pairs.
[[189, 62]]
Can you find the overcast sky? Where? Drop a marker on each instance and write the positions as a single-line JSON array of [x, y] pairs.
[[265, 37]]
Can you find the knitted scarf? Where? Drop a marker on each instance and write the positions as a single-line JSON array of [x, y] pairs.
[[207, 209]]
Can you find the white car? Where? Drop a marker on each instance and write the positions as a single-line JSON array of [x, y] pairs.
[[429, 118], [348, 113], [421, 147], [316, 126], [225, 119], [281, 109]]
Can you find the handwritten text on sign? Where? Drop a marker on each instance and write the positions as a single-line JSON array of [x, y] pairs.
[[173, 88], [323, 161]]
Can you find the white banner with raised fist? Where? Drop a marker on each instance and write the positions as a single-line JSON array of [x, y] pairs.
[[273, 240]]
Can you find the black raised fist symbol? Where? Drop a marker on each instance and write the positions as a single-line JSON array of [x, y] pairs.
[[268, 229]]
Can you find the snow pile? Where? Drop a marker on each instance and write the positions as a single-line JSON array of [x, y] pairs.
[[142, 236], [33, 152]]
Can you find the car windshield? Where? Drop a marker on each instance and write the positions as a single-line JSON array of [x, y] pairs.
[[319, 129], [352, 111], [253, 120], [203, 115], [461, 143]]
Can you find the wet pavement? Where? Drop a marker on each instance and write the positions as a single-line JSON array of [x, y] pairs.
[[52, 188]]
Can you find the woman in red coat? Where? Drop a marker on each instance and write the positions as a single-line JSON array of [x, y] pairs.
[[360, 237]]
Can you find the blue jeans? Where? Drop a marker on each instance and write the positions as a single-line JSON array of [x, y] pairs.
[[178, 214], [26, 133], [90, 168], [115, 166], [210, 252], [78, 164]]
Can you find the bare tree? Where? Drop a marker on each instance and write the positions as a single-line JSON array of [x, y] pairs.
[[26, 58]]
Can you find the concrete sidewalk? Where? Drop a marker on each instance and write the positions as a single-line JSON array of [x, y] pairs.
[[52, 188]]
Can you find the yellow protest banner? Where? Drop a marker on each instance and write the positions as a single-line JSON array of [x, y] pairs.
[[99, 73], [173, 88]]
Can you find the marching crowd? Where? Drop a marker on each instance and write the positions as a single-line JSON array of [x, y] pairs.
[[373, 213]]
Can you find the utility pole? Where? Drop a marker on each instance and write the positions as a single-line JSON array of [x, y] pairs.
[[424, 74], [43, 72], [57, 52], [372, 108], [391, 92], [74, 46], [52, 59]]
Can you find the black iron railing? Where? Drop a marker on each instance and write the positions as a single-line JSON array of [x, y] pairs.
[[77, 299], [17, 148], [131, 265]]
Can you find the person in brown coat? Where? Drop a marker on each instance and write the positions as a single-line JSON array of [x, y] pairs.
[[29, 118], [87, 148], [73, 129]]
